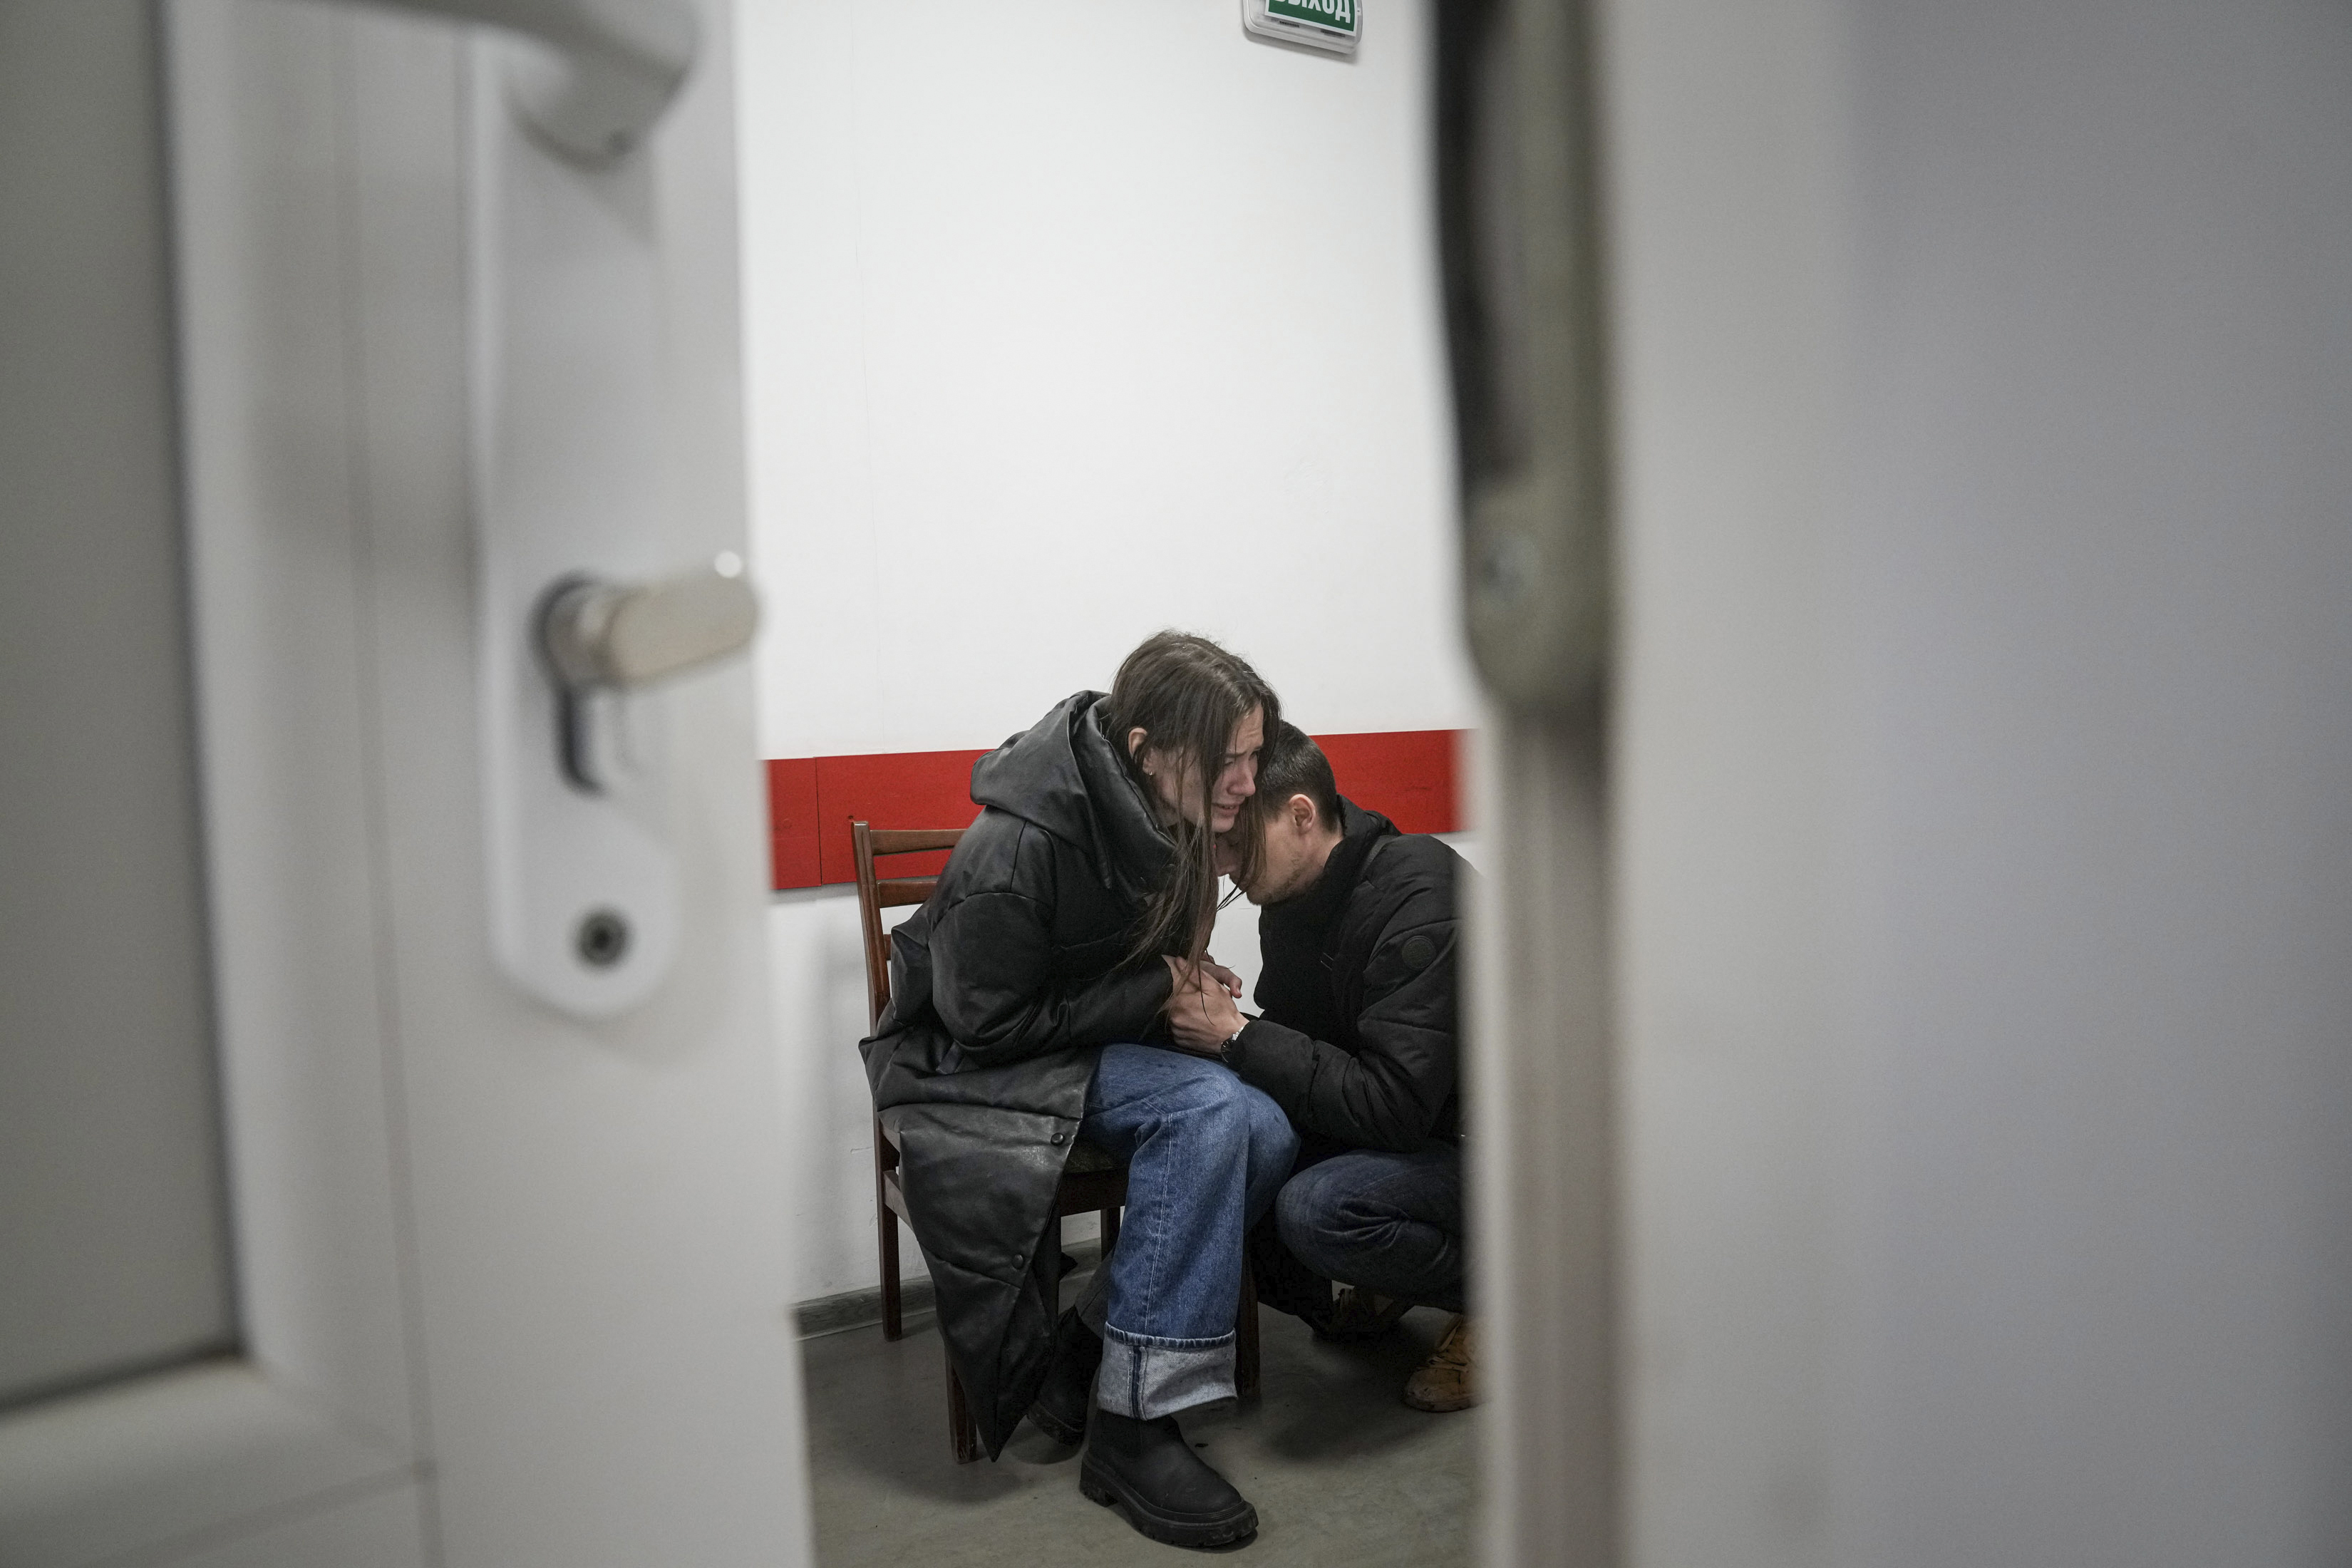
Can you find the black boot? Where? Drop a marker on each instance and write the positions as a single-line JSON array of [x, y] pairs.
[[1062, 1405], [1168, 1491]]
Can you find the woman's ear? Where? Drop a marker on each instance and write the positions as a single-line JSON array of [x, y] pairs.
[[1135, 738]]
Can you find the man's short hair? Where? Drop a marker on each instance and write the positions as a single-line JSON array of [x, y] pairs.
[[1292, 764]]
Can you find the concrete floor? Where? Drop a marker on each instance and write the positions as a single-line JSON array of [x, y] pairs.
[[1343, 1472]]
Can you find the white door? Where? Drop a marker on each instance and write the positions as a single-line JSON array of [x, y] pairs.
[[511, 1283]]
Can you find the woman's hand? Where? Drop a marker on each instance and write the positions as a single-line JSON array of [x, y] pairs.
[[1182, 973], [1202, 1015]]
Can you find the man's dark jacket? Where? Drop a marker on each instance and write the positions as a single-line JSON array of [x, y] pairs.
[[1003, 988], [1358, 995]]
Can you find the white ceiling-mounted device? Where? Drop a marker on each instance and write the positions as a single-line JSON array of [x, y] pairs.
[[1333, 26]]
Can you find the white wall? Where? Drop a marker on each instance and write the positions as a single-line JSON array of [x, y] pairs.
[[1987, 720], [1069, 321]]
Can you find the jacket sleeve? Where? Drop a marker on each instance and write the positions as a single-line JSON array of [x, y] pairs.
[[1386, 1094], [993, 986]]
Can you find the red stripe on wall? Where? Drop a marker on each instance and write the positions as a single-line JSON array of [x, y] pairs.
[[896, 789], [1407, 775], [792, 822]]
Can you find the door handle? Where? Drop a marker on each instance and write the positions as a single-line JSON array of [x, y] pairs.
[[589, 77], [567, 301], [578, 503], [597, 637]]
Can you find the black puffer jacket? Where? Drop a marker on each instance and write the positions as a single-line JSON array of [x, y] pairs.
[[1358, 1040], [1003, 988]]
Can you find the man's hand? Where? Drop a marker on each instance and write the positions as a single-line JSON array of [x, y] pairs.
[[1202, 1015]]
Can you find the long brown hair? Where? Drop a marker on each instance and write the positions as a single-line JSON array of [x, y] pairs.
[[1187, 695]]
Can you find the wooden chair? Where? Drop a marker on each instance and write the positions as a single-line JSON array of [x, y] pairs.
[[1090, 1180]]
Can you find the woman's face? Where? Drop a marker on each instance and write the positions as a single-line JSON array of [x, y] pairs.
[[1173, 777]]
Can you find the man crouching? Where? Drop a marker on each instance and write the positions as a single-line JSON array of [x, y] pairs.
[[1356, 1041]]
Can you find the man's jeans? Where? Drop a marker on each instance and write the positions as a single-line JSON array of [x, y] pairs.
[[1386, 1222], [1205, 1153]]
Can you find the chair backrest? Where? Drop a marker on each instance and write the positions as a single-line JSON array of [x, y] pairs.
[[876, 893]]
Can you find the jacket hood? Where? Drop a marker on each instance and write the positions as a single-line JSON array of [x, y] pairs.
[[1062, 776]]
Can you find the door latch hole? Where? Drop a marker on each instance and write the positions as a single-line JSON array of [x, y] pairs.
[[602, 939]]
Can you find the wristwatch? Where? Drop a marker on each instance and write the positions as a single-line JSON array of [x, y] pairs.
[[1225, 1045]]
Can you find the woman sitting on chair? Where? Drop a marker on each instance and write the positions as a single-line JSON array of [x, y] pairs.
[[1025, 1012]]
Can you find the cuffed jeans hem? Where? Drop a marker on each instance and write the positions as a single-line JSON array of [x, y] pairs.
[[1144, 1378]]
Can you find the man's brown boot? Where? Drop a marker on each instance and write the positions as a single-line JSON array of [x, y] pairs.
[[1448, 1379]]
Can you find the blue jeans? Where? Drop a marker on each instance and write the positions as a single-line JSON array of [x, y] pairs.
[[1381, 1221], [1205, 1153]]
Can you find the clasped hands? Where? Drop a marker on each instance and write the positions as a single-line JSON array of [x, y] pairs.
[[1202, 1011]]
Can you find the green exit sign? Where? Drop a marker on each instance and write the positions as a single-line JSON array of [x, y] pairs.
[[1333, 25]]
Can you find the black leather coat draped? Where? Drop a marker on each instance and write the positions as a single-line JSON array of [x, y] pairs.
[[1003, 988]]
